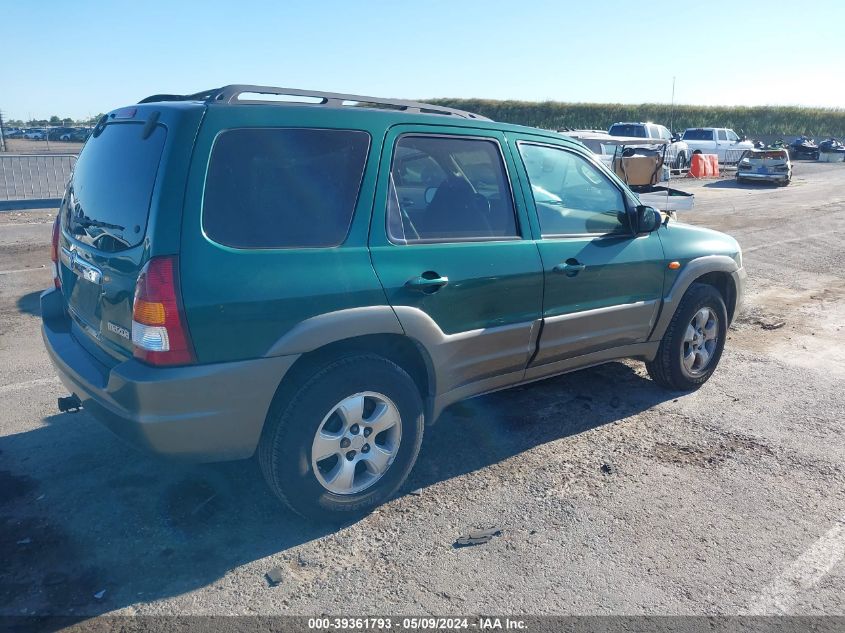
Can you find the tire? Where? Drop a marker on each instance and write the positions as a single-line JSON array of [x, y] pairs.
[[682, 161], [668, 369], [292, 427]]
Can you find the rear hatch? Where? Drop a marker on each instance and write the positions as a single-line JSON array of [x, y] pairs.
[[105, 216]]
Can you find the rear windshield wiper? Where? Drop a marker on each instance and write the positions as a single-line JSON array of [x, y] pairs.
[[86, 222]]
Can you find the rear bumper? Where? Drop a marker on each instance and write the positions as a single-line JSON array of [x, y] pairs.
[[776, 177], [201, 412]]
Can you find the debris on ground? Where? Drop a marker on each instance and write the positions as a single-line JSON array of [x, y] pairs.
[[202, 505], [607, 469], [275, 576], [99, 595], [769, 324], [25, 541], [416, 492], [477, 537]]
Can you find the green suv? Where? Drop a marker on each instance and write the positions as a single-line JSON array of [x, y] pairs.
[[314, 277]]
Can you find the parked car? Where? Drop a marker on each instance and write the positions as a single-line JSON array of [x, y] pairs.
[[316, 282], [34, 135], [59, 133], [13, 133], [79, 135], [677, 151], [769, 165], [717, 140]]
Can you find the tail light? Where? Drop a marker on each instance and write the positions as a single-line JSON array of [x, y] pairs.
[[54, 252], [159, 331]]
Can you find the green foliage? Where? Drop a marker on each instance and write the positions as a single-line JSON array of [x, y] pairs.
[[784, 121]]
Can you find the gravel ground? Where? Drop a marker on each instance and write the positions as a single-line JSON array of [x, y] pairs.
[[613, 496]]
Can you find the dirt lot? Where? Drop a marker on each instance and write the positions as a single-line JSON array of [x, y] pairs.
[[613, 495]]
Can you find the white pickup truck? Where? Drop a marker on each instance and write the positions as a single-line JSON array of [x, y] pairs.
[[716, 140]]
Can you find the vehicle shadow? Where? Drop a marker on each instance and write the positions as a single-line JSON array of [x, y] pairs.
[[81, 513], [731, 183], [30, 303]]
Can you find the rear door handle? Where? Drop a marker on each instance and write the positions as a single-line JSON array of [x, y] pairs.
[[570, 267], [429, 282]]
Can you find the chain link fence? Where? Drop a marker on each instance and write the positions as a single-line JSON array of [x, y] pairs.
[[34, 181]]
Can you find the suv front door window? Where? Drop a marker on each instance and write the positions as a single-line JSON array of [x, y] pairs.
[[602, 283]]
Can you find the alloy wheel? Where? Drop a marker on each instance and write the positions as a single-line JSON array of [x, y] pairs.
[[356, 443]]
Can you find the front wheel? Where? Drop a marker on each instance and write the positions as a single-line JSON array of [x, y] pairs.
[[345, 441], [692, 344]]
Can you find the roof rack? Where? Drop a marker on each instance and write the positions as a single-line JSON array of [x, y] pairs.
[[231, 94]]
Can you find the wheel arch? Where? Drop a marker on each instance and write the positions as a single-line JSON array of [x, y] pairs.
[[407, 353], [725, 284], [715, 270]]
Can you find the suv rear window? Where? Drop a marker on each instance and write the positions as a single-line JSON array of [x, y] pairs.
[[284, 187], [109, 195], [628, 129]]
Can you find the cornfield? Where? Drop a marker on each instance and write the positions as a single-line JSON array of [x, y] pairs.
[[769, 121]]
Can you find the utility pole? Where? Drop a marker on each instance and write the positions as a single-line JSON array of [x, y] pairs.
[[2, 134], [672, 112]]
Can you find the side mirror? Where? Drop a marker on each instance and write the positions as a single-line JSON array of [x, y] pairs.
[[647, 219]]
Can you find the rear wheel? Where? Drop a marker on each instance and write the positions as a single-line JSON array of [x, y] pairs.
[[345, 441], [692, 344]]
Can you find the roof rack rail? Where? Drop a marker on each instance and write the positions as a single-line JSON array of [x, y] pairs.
[[231, 94]]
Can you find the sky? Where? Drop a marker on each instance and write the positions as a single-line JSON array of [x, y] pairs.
[[77, 58]]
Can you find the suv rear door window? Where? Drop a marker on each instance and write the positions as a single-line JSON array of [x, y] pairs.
[[283, 187], [448, 189], [109, 196]]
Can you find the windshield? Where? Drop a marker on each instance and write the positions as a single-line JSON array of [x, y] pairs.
[[627, 129], [698, 135], [769, 155], [109, 195]]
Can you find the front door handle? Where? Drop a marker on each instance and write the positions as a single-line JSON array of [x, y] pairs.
[[429, 282], [570, 267]]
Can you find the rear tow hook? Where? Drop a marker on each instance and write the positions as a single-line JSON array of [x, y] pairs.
[[69, 404]]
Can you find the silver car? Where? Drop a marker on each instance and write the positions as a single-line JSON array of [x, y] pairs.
[[767, 165]]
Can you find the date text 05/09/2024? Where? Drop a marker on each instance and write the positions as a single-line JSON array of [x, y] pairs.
[[424, 623]]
